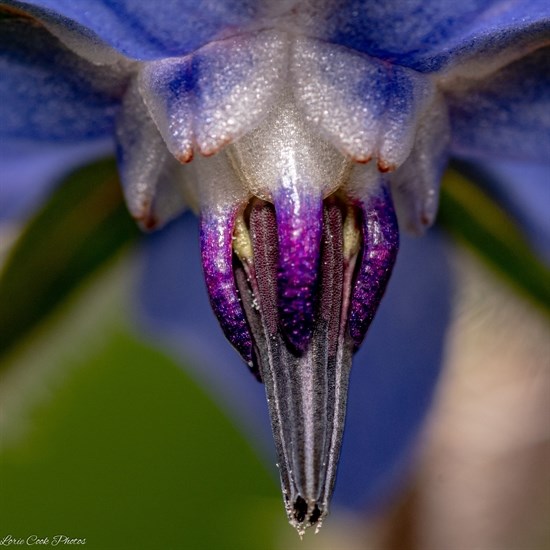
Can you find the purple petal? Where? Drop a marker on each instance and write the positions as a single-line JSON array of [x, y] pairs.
[[380, 245], [299, 223], [506, 116], [49, 94], [217, 261], [429, 35], [146, 30]]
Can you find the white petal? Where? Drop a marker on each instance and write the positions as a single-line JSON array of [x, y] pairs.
[[152, 179], [368, 108], [415, 185], [205, 100]]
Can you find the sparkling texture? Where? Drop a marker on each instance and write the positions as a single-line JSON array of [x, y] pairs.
[[198, 104], [415, 185], [216, 238], [366, 107], [151, 176], [379, 251], [284, 151], [299, 224]]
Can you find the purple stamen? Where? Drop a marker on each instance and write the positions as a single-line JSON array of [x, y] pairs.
[[310, 274], [299, 224], [216, 237], [380, 236]]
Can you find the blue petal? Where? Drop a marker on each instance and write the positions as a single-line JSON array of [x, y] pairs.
[[47, 94], [506, 116], [392, 380], [425, 35], [146, 30], [428, 35]]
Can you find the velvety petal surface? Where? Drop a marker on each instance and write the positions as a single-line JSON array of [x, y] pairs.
[[56, 110], [424, 35], [146, 30], [392, 378], [47, 94], [506, 116], [430, 35]]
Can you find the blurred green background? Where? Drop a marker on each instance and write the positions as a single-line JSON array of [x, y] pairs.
[[117, 445], [103, 436]]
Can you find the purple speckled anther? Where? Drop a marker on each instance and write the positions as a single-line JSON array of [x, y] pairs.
[[216, 237], [299, 223], [380, 235]]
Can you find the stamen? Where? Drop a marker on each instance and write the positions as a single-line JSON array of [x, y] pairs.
[[306, 390], [263, 229], [216, 234], [332, 271], [309, 287], [380, 246], [299, 219]]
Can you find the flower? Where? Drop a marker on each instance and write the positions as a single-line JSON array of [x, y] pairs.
[[292, 128]]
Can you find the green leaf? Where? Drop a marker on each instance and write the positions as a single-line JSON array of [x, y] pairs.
[[130, 453], [474, 218], [81, 227]]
